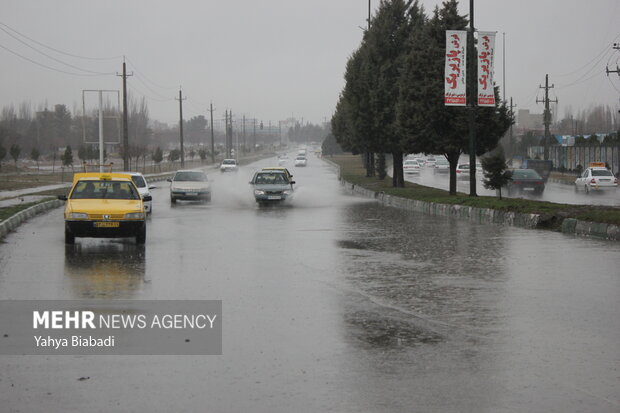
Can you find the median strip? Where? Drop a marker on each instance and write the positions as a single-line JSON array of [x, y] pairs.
[[588, 220]]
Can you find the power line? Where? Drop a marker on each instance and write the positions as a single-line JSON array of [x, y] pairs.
[[147, 79], [50, 67], [605, 49], [56, 50], [53, 58]]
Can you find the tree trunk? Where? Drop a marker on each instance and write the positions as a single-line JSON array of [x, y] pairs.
[[398, 177], [370, 165], [453, 159], [381, 167]]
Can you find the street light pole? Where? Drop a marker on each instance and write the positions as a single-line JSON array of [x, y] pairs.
[[471, 72]]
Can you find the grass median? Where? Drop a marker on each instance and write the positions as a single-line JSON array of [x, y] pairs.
[[7, 212], [552, 214]]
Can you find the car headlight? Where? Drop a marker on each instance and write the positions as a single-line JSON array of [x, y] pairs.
[[135, 215], [78, 215], [259, 192], [287, 192]]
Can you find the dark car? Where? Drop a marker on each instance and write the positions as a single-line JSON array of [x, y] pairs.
[[524, 181]]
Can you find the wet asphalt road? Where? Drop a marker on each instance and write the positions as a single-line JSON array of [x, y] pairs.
[[331, 303], [554, 192]]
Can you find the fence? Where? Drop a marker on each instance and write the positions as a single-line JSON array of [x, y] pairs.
[[568, 157]]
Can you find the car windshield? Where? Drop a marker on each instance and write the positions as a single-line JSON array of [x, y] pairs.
[[271, 179], [104, 190], [441, 162], [190, 176], [229, 162], [411, 163], [525, 174], [301, 158], [463, 166], [601, 172], [138, 181]]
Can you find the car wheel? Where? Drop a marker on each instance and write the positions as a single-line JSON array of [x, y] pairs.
[[69, 237], [141, 235], [173, 200]]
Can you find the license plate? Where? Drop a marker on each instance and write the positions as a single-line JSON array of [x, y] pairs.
[[528, 189], [107, 224], [191, 193], [274, 197]]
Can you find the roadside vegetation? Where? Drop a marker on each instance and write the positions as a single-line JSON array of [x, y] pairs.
[[352, 170], [7, 212]]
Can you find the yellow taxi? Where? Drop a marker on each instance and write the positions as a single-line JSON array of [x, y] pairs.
[[104, 205], [279, 168]]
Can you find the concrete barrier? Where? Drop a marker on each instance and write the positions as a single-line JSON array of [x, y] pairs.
[[14, 221]]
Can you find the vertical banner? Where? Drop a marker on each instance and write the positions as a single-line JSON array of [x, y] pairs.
[[454, 91], [486, 54]]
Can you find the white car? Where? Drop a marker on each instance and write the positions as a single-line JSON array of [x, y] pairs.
[[190, 185], [442, 166], [228, 165], [596, 179], [411, 167], [462, 171], [430, 162], [301, 161], [143, 188]]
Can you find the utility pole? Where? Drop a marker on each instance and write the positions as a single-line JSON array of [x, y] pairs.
[[504, 65], [616, 46], [254, 136], [125, 122], [212, 139], [510, 138], [547, 114], [181, 99], [472, 81], [244, 147]]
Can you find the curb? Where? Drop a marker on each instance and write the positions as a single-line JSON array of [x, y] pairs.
[[14, 221], [485, 215]]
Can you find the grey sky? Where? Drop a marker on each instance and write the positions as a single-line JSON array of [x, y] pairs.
[[273, 58]]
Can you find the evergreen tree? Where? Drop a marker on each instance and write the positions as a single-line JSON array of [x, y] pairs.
[[67, 157], [495, 171], [2, 154], [15, 150], [427, 124], [34, 155]]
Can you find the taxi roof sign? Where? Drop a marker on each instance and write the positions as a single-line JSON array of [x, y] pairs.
[[106, 176], [597, 165]]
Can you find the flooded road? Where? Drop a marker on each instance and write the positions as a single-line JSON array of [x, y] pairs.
[[331, 303]]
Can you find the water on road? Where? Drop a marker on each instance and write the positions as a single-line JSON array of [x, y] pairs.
[[331, 303]]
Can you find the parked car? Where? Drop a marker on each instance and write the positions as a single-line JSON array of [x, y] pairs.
[[411, 167], [596, 179], [228, 165], [542, 167], [525, 180], [144, 188], [104, 205], [442, 166], [271, 187], [190, 185], [430, 162], [301, 161], [462, 171]]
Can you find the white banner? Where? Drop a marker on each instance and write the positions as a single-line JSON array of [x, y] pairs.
[[486, 53], [456, 45]]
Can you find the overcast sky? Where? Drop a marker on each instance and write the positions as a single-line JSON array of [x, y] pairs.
[[271, 59]]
